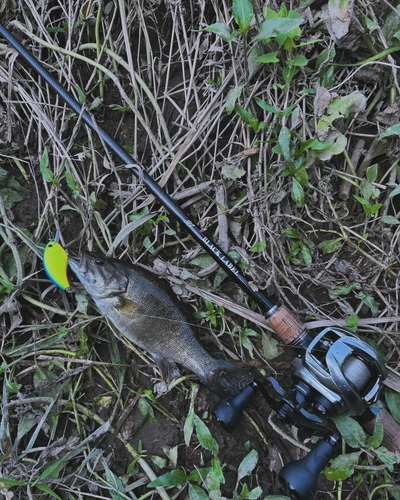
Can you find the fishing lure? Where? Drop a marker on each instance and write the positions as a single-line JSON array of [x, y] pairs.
[[55, 264]]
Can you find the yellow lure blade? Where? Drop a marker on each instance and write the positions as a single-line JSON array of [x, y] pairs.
[[55, 264]]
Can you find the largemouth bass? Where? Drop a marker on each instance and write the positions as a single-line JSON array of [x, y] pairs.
[[146, 315]]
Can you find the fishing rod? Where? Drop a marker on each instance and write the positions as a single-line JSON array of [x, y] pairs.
[[336, 371]]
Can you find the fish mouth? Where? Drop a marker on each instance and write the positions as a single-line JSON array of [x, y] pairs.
[[79, 266]]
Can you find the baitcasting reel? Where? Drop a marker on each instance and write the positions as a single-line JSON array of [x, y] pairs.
[[337, 373]]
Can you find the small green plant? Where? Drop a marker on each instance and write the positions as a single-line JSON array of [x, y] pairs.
[[212, 313], [369, 192], [371, 454], [369, 301], [301, 252]]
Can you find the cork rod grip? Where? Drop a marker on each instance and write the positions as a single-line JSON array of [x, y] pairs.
[[391, 436], [286, 325]]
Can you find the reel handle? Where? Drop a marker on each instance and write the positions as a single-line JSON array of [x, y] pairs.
[[300, 477], [391, 429], [228, 413]]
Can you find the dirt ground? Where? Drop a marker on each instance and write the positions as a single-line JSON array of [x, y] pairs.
[[184, 102]]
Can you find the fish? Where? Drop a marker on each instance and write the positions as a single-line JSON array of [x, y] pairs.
[[145, 314], [55, 263]]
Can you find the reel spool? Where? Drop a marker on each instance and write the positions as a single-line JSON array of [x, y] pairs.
[[337, 373]]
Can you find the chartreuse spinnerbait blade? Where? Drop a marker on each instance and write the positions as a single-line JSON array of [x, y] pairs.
[[55, 264]]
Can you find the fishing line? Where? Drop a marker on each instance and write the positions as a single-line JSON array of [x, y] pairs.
[[138, 170]]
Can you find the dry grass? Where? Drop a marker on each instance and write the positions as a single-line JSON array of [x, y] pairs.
[[158, 83]]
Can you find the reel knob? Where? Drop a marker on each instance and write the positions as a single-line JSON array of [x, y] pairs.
[[228, 413], [300, 477]]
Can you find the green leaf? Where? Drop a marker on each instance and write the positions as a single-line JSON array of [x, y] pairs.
[[376, 439], [51, 468], [188, 427], [270, 347], [72, 184], [117, 488], [352, 322], [306, 254], [172, 454], [330, 246], [336, 143], [297, 193], [394, 490], [245, 492], [314, 144], [232, 97], [372, 173], [82, 302], [326, 56], [255, 493], [386, 456], [160, 462], [247, 117], [213, 486], [203, 261], [302, 176], [196, 493], [395, 191], [369, 24], [199, 474], [252, 62], [81, 95], [268, 58], [243, 13], [233, 172], [276, 497], [24, 426], [204, 435], [284, 142], [258, 247], [347, 105], [147, 410], [44, 167], [148, 244], [389, 219], [368, 190], [351, 431], [221, 30], [277, 26], [395, 130], [217, 470], [46, 488], [12, 482], [10, 197], [267, 107], [393, 401], [288, 73], [247, 465], [342, 467], [369, 302], [172, 478], [365, 204], [299, 60], [291, 233]]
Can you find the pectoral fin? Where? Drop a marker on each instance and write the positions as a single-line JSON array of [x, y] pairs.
[[169, 370], [126, 307]]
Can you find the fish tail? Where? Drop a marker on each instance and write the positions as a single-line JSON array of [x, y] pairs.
[[227, 379]]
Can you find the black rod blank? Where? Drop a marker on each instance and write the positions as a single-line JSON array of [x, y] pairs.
[[219, 256]]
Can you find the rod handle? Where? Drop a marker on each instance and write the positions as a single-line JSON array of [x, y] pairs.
[[286, 325], [391, 436]]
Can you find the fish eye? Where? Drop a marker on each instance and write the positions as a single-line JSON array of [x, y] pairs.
[[100, 262], [50, 245]]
